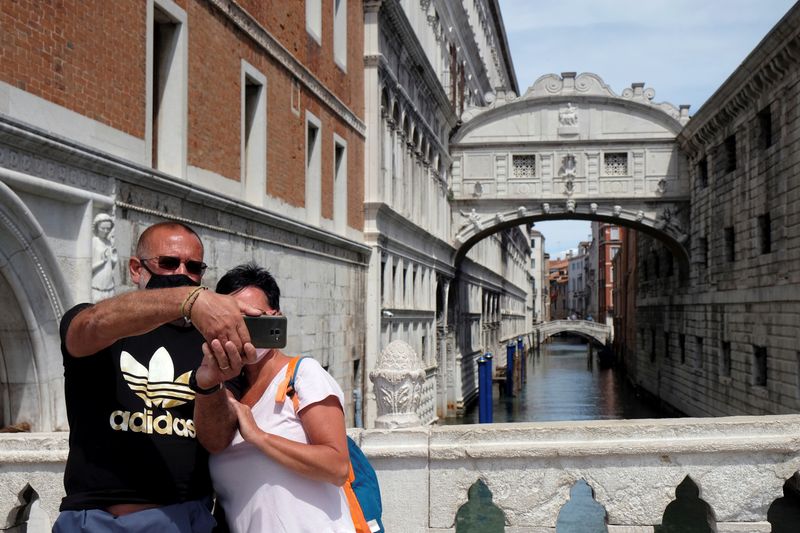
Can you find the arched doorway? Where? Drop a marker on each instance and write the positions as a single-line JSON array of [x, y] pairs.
[[31, 289]]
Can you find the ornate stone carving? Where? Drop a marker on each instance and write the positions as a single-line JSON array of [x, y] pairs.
[[569, 187], [617, 210], [398, 378], [639, 215], [568, 116], [570, 206], [568, 165], [104, 257], [546, 208], [474, 219], [593, 208], [661, 187]]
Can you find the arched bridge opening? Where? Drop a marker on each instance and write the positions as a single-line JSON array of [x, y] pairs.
[[476, 227]]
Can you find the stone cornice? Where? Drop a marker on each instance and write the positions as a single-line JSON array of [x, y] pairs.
[[765, 68], [105, 169], [571, 88], [381, 216], [250, 26], [502, 38], [466, 38], [405, 34]]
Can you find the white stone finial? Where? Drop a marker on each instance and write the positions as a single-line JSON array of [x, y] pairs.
[[398, 378]]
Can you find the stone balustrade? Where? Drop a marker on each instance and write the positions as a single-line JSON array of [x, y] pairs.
[[739, 466]]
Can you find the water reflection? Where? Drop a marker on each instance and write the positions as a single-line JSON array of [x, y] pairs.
[[564, 384]]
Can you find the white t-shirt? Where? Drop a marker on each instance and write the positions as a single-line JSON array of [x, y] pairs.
[[260, 495]]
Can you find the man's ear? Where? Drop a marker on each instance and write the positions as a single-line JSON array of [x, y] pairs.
[[135, 269]]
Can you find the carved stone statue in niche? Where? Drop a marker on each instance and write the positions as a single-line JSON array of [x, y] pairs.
[[568, 165], [568, 120], [568, 116], [104, 257]]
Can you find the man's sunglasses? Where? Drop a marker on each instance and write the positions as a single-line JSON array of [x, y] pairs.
[[171, 263]]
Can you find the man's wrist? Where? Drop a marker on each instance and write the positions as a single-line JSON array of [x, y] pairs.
[[204, 391]]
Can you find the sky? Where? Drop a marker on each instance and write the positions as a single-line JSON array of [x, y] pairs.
[[683, 49]]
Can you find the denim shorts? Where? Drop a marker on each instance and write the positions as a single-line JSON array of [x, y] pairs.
[[188, 517]]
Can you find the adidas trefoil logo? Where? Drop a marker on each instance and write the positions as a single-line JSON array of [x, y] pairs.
[[156, 387], [155, 384]]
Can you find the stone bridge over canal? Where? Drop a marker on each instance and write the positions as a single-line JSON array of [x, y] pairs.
[[570, 148], [602, 333]]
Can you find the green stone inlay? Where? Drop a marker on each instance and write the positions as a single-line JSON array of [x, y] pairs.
[[480, 514]]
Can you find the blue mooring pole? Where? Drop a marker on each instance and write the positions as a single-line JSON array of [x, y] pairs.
[[482, 390], [510, 347], [489, 375], [523, 365]]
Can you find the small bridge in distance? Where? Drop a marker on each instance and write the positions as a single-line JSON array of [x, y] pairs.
[[601, 333]]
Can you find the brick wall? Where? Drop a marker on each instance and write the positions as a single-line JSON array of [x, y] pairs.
[[90, 57], [85, 55]]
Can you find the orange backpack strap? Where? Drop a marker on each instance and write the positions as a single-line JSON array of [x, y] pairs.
[[287, 385], [355, 508]]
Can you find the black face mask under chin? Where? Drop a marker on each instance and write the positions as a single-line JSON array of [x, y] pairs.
[[167, 281]]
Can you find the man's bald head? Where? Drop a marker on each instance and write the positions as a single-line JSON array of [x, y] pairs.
[[145, 246]]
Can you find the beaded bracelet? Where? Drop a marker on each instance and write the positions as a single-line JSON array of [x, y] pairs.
[[186, 312]]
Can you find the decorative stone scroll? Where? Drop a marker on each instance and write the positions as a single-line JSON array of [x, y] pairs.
[[398, 378]]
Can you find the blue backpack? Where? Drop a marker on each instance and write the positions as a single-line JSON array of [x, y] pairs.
[[361, 488]]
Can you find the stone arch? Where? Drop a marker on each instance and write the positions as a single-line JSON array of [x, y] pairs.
[[32, 290], [395, 113], [584, 89], [591, 331], [385, 102], [476, 227]]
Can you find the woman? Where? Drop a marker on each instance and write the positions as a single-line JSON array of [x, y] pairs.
[[283, 470]]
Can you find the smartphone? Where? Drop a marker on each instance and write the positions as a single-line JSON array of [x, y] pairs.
[[267, 331]]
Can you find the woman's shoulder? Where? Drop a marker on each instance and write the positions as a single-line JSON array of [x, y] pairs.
[[312, 373]]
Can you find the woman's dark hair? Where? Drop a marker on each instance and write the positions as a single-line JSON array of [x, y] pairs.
[[251, 275]]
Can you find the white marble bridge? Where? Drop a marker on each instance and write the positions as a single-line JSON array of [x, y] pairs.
[[602, 333]]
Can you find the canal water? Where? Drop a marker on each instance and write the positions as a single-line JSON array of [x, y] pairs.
[[563, 385]]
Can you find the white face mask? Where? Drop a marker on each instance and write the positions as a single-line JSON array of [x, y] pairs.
[[260, 354]]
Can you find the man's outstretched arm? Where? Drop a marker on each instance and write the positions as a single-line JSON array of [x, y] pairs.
[[216, 316]]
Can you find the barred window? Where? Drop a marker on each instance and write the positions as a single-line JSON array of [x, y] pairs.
[[524, 166], [616, 164]]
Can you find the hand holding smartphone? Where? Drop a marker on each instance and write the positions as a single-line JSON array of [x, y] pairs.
[[267, 331]]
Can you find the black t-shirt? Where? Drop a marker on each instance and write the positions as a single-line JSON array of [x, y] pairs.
[[130, 412]]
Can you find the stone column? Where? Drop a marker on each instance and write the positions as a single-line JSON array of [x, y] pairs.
[[372, 178], [441, 338], [397, 381]]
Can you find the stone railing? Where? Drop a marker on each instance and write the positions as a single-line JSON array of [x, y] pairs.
[[735, 468], [628, 476]]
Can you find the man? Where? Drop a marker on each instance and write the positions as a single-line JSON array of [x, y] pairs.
[[134, 462]]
